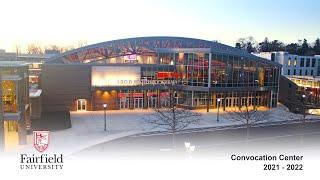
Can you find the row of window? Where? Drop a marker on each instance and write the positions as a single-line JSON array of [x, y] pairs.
[[303, 62], [226, 71], [306, 72]]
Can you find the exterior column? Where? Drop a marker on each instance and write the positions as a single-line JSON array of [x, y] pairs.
[[158, 98], [117, 100], [145, 99], [214, 100], [92, 100], [28, 121], [208, 101], [271, 93], [131, 99], [22, 133], [192, 93], [209, 82], [255, 100], [209, 70], [224, 101]]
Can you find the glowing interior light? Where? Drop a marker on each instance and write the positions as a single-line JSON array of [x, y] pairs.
[[115, 76]]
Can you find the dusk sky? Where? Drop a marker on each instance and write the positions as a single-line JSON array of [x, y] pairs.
[[65, 23]]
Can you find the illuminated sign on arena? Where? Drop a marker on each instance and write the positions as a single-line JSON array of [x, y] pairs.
[[115, 76]]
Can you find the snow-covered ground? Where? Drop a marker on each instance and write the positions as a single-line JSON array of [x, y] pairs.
[[88, 127]]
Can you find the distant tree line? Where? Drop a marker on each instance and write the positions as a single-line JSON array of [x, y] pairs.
[[33, 48], [302, 47]]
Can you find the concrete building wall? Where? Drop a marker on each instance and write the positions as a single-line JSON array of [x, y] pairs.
[[35, 105], [287, 92], [292, 63], [62, 84]]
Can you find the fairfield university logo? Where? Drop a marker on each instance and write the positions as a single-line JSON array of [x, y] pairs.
[[41, 140], [41, 161]]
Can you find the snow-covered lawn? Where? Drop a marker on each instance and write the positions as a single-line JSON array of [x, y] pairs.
[[88, 127]]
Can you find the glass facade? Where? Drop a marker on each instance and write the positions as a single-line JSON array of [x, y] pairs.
[[236, 80], [202, 71], [15, 99], [9, 96]]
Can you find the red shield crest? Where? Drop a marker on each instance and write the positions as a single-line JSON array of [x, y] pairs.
[[41, 140]]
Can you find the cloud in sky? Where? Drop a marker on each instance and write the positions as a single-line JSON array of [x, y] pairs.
[[64, 22]]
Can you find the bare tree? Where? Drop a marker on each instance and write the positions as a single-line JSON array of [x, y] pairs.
[[82, 43], [248, 43], [34, 49], [172, 119], [247, 116], [60, 49], [18, 49]]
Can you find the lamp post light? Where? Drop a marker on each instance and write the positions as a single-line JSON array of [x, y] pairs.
[[255, 96], [218, 100], [303, 107], [105, 116]]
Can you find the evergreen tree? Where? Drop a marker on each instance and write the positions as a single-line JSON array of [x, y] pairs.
[[292, 48], [316, 47], [304, 48], [265, 46]]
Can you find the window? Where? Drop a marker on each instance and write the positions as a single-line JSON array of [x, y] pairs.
[[294, 72], [306, 72], [313, 62], [300, 72], [9, 96], [288, 72], [273, 56], [302, 62], [295, 63], [308, 62], [289, 62], [311, 72]]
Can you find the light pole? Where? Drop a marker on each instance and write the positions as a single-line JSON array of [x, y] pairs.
[[105, 116], [303, 107], [218, 100], [255, 96]]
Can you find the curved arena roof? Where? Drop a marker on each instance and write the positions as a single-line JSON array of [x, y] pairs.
[[142, 45]]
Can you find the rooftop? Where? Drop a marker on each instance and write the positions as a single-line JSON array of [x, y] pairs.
[[141, 45], [12, 63]]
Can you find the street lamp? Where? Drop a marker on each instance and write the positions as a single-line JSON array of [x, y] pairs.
[[218, 109], [255, 96], [304, 107], [105, 116]]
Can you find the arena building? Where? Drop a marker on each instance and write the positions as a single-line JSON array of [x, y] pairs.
[[145, 72]]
